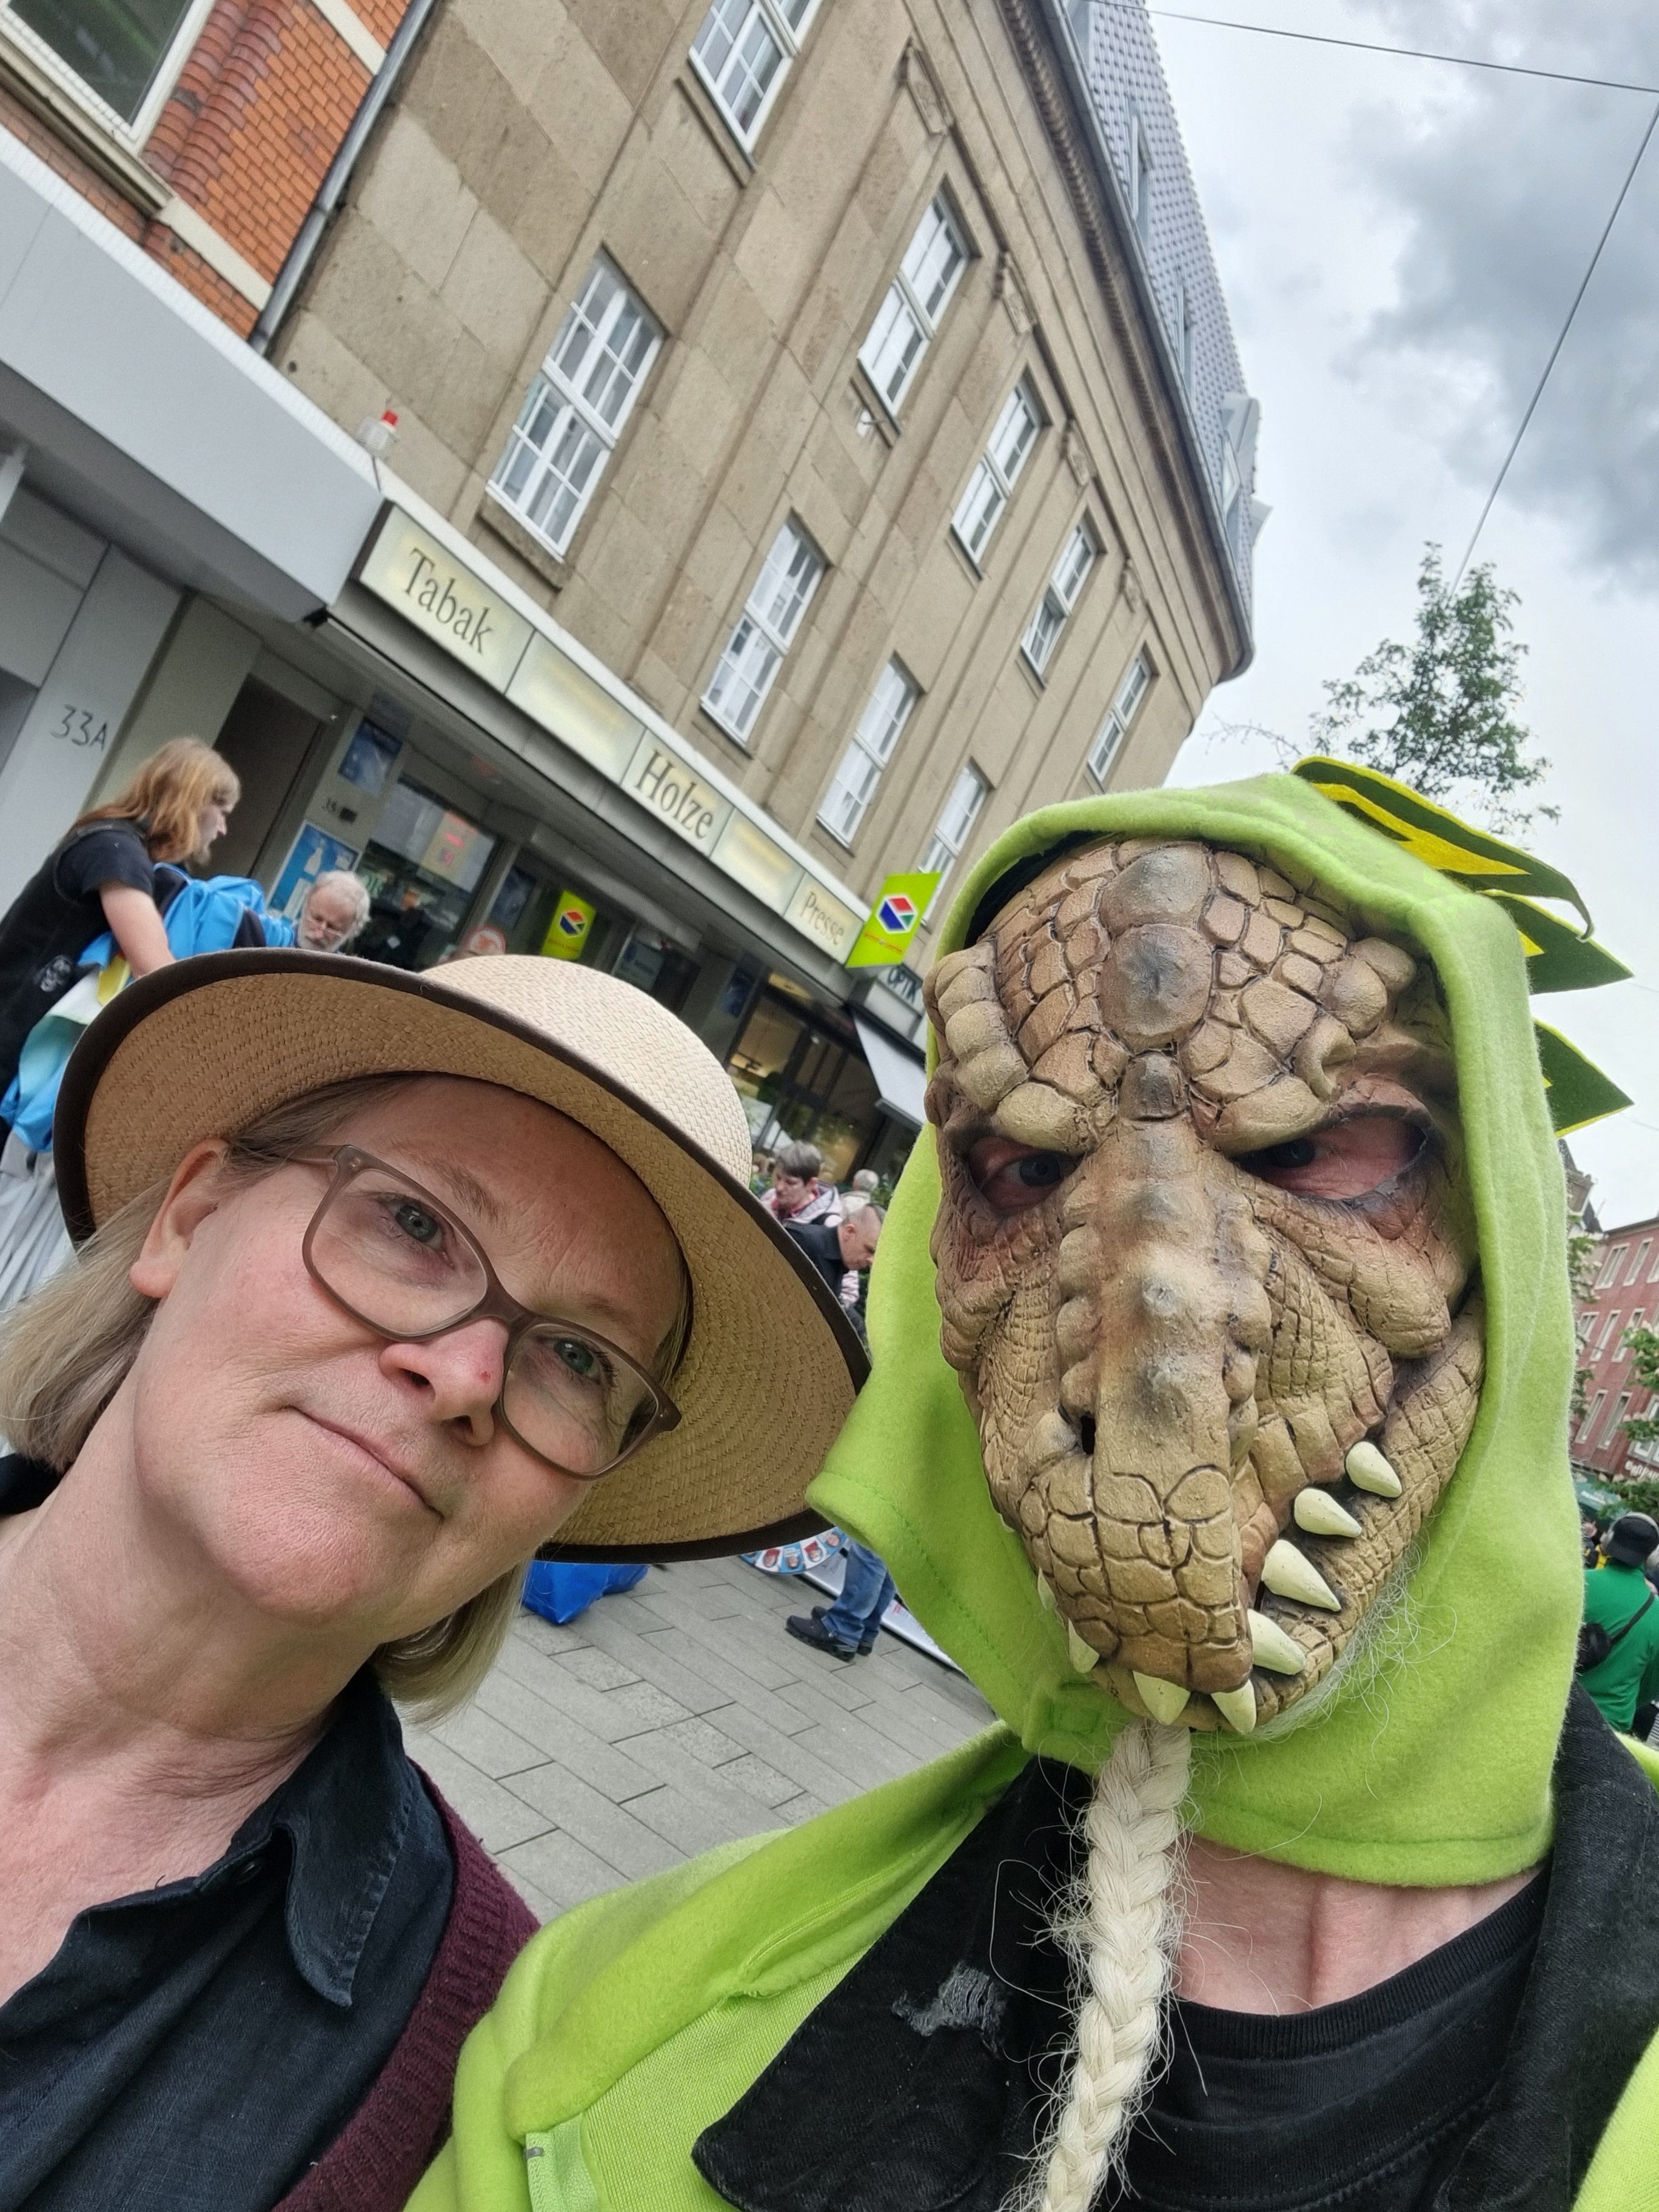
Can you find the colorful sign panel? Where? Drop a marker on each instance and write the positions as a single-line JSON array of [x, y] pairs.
[[894, 920], [567, 933]]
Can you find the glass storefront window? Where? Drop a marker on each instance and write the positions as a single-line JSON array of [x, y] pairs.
[[797, 1079], [423, 865]]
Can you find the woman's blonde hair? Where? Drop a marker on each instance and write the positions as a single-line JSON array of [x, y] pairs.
[[66, 1351], [168, 797]]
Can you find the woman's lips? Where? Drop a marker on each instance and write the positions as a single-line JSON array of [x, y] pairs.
[[373, 1456]]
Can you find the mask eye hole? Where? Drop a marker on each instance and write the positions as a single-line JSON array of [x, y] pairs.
[[1012, 1178], [1350, 1159]]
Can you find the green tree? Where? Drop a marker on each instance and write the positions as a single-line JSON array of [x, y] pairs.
[[1583, 1250], [1643, 1345], [1439, 713]]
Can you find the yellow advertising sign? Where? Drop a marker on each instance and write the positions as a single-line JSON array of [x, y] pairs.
[[567, 933], [894, 920]]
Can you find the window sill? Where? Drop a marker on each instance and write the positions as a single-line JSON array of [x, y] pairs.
[[81, 129], [828, 831], [724, 729], [882, 421], [713, 118], [1032, 671], [977, 574], [496, 517]]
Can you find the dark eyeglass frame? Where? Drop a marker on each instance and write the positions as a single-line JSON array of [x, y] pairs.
[[346, 1163]]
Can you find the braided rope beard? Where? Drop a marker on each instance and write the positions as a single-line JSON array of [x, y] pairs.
[[1215, 1405]]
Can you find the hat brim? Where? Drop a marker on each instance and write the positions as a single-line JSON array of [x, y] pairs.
[[771, 1364]]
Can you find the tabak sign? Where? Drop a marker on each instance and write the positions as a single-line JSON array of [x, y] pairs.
[[412, 572]]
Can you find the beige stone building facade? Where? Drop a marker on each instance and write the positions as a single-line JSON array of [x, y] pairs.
[[782, 442]]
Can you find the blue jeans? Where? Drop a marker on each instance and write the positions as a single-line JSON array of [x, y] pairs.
[[855, 1616]]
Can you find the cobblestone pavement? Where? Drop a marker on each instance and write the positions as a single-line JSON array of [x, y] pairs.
[[673, 1718]]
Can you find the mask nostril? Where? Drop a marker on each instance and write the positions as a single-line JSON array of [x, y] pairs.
[[1085, 1433]]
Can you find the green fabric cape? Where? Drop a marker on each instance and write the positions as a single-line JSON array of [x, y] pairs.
[[632, 2024]]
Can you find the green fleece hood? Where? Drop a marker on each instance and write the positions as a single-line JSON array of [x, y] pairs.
[[1433, 1767]]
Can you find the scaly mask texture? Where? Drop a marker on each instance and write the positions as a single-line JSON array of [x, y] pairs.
[[1431, 1762], [1203, 1263]]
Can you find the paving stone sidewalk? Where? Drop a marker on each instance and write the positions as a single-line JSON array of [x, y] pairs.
[[674, 1717]]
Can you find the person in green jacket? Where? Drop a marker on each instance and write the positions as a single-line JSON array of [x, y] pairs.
[[1222, 1352], [1619, 1599]]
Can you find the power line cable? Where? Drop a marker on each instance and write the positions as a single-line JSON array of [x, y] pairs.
[[1373, 47], [1555, 351]]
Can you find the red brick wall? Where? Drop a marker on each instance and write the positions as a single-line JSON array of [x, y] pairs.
[[1613, 1306], [186, 265], [43, 142]]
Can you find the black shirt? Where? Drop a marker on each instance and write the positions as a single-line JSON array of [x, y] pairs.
[[196, 2047], [821, 1241], [52, 921], [1483, 2076]]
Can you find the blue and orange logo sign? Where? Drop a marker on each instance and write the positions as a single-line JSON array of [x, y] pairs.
[[894, 920], [567, 933]]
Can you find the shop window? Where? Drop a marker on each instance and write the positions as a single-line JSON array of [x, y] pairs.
[[573, 413], [423, 867], [1055, 608], [656, 966], [847, 799], [1137, 680], [991, 485], [744, 52], [764, 631], [916, 300], [117, 49], [956, 823], [796, 1076]]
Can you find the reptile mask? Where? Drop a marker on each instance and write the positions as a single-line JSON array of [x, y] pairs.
[[1204, 1263]]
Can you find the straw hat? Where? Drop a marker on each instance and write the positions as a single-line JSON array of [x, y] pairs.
[[771, 1363]]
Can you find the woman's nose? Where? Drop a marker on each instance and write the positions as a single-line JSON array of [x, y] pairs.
[[459, 1373]]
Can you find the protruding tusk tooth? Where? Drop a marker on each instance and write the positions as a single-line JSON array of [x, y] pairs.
[[1273, 1648], [1318, 1512], [1084, 1658], [1369, 1470], [1237, 1707], [1164, 1701], [1046, 1597], [1287, 1574]]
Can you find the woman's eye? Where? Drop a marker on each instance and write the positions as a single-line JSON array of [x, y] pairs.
[[584, 1363], [1350, 1159], [417, 1224], [1013, 1178]]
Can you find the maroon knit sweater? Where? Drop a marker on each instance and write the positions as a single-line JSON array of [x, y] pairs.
[[391, 2138]]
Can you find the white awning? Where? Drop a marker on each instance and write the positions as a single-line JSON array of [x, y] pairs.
[[901, 1076]]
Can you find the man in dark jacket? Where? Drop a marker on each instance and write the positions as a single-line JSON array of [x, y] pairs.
[[840, 1247]]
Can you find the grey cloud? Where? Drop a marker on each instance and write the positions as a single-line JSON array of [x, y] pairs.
[[1503, 186]]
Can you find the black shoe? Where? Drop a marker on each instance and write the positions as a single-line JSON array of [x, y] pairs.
[[810, 1629], [864, 1650]]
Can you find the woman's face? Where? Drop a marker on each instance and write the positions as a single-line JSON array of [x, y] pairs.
[[333, 1479], [792, 1191], [215, 820]]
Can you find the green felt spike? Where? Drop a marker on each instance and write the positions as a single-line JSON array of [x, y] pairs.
[[1578, 1092], [1559, 958]]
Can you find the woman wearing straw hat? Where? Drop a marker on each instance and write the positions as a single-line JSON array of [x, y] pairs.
[[389, 1278]]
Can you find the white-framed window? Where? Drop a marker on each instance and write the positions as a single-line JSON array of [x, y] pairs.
[[888, 709], [743, 54], [1586, 1324], [910, 316], [997, 472], [1653, 1271], [1186, 333], [1615, 1261], [1126, 705], [1140, 178], [1609, 1434], [1593, 1416], [1609, 1335], [1635, 1322], [1639, 1261], [574, 411], [956, 825], [1054, 608], [764, 631], [124, 59]]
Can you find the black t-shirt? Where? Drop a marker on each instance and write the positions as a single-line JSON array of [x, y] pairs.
[[1368, 2101], [53, 919]]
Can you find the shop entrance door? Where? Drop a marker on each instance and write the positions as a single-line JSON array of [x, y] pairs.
[[267, 740], [797, 1077]]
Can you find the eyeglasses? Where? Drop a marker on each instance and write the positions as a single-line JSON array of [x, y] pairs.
[[394, 1257]]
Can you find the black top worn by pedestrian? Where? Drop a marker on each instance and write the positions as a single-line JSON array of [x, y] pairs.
[[821, 1241], [194, 2048], [1482, 2076], [53, 920]]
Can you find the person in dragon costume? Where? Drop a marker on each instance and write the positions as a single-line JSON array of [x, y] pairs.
[[1223, 1347]]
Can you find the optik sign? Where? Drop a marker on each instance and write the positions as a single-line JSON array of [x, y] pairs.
[[894, 920]]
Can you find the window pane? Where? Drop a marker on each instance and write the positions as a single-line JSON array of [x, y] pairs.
[[1011, 439], [1130, 690], [786, 583], [1046, 626], [794, 12], [750, 72], [893, 347], [982, 504], [888, 711], [960, 809], [850, 794], [718, 34], [1075, 563], [116, 47], [930, 267], [744, 677]]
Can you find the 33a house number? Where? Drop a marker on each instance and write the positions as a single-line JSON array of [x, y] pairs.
[[78, 728]]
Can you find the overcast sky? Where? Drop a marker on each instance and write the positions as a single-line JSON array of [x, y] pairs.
[[1398, 242]]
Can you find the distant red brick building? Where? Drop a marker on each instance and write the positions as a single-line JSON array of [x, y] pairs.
[[1624, 1295], [203, 129]]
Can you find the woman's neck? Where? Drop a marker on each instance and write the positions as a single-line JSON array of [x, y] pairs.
[[1263, 1937]]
